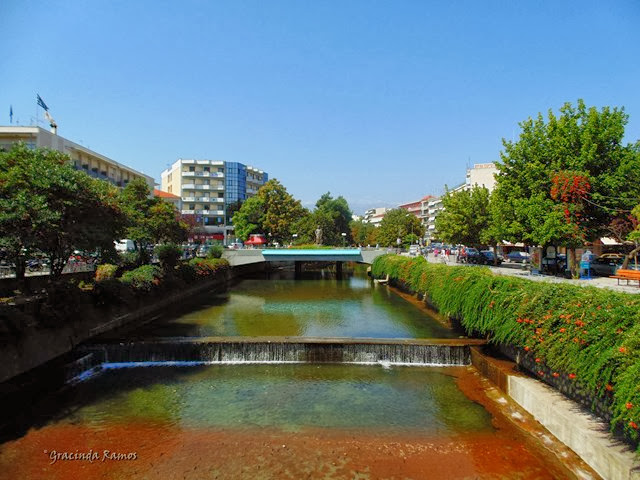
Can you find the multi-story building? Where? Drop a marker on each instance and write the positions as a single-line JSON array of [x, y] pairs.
[[174, 200], [375, 215], [482, 175], [93, 163], [212, 190]]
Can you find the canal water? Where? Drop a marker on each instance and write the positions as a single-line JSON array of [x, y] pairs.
[[278, 420], [316, 304]]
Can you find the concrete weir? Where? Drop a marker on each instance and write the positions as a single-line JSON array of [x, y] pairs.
[[427, 352]]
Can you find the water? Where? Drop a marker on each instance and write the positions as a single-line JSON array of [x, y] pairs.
[[285, 397], [318, 305]]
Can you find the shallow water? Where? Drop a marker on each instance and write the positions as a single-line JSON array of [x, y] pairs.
[[314, 305]]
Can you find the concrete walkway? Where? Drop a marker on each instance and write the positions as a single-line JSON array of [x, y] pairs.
[[518, 270]]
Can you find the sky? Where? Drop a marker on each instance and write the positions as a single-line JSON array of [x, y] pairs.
[[382, 102]]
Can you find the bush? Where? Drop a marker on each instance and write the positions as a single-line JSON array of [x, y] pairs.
[[215, 251], [109, 292], [583, 335], [143, 279], [186, 272], [106, 272], [128, 261], [208, 267], [168, 254]]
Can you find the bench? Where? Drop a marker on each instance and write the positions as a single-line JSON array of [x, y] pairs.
[[627, 275]]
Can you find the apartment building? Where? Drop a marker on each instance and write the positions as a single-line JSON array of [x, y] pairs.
[[375, 215], [94, 164], [212, 190], [481, 175]]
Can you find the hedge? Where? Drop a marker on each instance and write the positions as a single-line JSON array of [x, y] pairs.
[[143, 279], [206, 267], [586, 335]]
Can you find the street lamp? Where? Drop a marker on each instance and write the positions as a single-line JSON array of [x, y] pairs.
[[344, 239]]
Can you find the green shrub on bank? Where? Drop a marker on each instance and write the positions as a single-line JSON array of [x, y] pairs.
[[142, 279], [582, 334], [215, 251], [207, 267], [106, 271], [186, 273], [168, 255]]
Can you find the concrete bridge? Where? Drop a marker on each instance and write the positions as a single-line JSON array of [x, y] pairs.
[[339, 255]]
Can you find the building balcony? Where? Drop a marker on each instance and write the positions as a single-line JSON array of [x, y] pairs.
[[203, 174], [217, 163], [193, 186]]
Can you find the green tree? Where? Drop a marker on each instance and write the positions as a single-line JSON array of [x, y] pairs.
[[566, 177], [363, 233], [150, 220], [273, 211], [249, 218], [46, 205], [398, 223], [333, 215], [466, 217]]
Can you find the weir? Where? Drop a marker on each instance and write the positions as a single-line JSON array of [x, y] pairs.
[[426, 352]]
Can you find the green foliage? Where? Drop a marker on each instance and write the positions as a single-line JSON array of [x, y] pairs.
[[106, 271], [587, 335], [466, 218], [333, 215], [186, 272], [142, 279], [209, 267], [150, 220], [47, 205], [580, 142], [363, 233], [398, 223], [249, 218], [168, 254], [215, 251], [130, 260]]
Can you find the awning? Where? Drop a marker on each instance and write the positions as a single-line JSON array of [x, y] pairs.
[[609, 241]]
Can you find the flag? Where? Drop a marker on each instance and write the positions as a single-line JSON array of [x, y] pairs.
[[10, 113], [41, 103]]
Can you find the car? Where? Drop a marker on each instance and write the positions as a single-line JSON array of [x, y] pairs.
[[488, 258], [414, 250], [608, 264], [518, 257]]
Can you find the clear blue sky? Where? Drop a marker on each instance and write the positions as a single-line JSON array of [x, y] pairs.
[[382, 102]]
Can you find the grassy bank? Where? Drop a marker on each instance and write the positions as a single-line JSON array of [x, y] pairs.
[[587, 336]]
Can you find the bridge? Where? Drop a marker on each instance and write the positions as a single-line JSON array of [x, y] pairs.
[[247, 256]]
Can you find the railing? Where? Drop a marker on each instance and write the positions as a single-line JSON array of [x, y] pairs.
[[203, 174]]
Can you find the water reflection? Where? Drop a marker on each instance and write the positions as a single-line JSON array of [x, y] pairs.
[[315, 304]]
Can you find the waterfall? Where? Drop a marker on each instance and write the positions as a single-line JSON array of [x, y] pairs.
[[234, 350], [83, 367]]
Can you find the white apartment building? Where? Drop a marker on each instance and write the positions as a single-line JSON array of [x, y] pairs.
[[375, 215], [212, 190], [94, 164]]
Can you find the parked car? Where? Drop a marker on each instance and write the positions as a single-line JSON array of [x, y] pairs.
[[608, 264], [488, 258], [519, 257]]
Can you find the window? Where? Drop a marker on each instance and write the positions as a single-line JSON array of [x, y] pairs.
[[192, 206], [192, 169], [206, 169]]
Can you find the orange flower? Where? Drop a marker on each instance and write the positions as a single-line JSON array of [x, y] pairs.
[[629, 405], [526, 349], [572, 376], [541, 373], [538, 360], [562, 330], [556, 374], [633, 425], [609, 387], [622, 350]]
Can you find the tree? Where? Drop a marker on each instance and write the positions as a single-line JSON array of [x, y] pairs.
[[633, 236], [334, 217], [273, 211], [565, 178], [46, 205], [466, 217], [249, 218], [398, 223], [363, 233], [150, 220]]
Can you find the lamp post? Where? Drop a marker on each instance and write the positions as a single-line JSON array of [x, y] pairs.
[[344, 239], [295, 236]]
